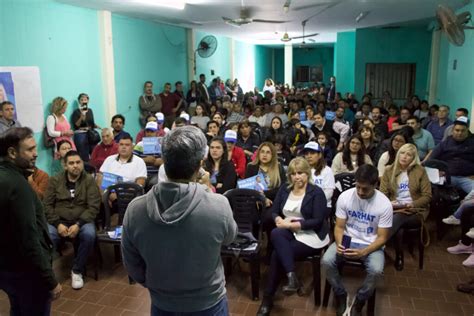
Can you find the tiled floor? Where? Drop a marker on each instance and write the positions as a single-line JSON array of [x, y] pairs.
[[431, 291]]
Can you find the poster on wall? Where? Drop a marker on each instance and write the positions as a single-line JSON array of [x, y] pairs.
[[22, 87]]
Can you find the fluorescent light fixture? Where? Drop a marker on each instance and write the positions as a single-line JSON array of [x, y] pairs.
[[172, 4], [362, 16]]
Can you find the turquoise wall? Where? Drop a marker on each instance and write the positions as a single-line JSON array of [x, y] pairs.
[[63, 41], [400, 45], [314, 56], [456, 86], [144, 51], [263, 64], [344, 61], [279, 66], [220, 61]]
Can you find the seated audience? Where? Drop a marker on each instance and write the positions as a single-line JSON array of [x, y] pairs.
[[423, 112], [402, 120], [352, 156], [283, 153], [392, 116], [236, 154], [118, 122], [172, 237], [7, 118], [422, 138], [380, 125], [104, 149], [301, 229], [62, 148], [277, 111], [439, 124], [321, 174], [149, 102], [200, 117], [407, 186], [57, 124], [363, 214], [297, 135], [220, 119], [258, 116], [153, 161], [212, 130], [235, 115], [370, 144], [328, 152], [457, 152], [71, 204], [398, 139], [221, 171], [276, 128], [467, 235], [83, 120], [38, 180]]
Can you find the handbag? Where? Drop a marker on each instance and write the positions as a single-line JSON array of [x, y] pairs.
[[93, 137], [449, 194], [48, 141]]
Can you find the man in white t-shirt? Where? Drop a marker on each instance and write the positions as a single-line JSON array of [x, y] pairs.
[[124, 164], [365, 215]]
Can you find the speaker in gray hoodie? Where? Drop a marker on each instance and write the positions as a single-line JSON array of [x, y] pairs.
[[171, 243]]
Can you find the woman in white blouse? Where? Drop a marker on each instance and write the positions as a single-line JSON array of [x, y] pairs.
[[351, 157], [300, 215]]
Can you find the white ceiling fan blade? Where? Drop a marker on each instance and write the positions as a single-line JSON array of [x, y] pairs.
[[268, 21], [306, 36], [310, 6]]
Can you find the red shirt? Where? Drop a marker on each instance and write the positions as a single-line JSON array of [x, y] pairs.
[[168, 103], [101, 152], [239, 161]]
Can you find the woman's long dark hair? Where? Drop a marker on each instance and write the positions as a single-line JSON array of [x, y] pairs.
[[407, 133], [346, 153], [209, 163]]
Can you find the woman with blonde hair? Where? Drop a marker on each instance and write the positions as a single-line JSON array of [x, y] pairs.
[[406, 184], [300, 216], [57, 123]]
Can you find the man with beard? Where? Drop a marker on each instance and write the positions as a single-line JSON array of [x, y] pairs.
[[26, 273], [72, 203]]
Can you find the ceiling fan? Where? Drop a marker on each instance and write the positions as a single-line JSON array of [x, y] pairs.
[[287, 38], [246, 18]]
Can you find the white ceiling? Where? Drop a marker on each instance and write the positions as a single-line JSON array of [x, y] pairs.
[[327, 18]]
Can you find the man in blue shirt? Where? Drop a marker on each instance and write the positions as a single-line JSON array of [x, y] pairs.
[[438, 126], [423, 139]]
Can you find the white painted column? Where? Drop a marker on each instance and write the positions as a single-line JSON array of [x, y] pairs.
[[232, 59], [434, 66], [191, 64], [107, 61], [289, 64]]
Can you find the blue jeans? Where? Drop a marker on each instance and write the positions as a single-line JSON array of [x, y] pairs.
[[220, 309], [464, 183], [26, 292], [82, 145], [374, 264], [84, 243], [462, 207]]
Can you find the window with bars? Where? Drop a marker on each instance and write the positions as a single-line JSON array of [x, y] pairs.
[[398, 79]]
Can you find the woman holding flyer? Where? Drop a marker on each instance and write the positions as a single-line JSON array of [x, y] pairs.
[[221, 170], [406, 184], [300, 216]]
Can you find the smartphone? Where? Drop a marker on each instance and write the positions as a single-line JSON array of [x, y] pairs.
[[346, 241]]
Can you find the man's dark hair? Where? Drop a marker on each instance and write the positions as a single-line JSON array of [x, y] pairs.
[[464, 111], [127, 137], [116, 116], [180, 121], [177, 83], [12, 138], [82, 95], [147, 82], [377, 107], [202, 75], [367, 174], [413, 117], [167, 84], [71, 153], [211, 122], [5, 103], [183, 150]]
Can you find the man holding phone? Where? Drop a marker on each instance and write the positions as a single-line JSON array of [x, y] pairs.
[[363, 221]]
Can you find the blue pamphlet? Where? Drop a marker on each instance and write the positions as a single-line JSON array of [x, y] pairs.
[[302, 115], [109, 179], [151, 145], [307, 123], [256, 183]]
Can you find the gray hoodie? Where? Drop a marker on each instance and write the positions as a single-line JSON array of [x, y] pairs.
[[171, 244]]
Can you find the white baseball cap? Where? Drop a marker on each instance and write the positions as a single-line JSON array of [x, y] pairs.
[[230, 136], [160, 117], [314, 146], [185, 116], [152, 126]]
